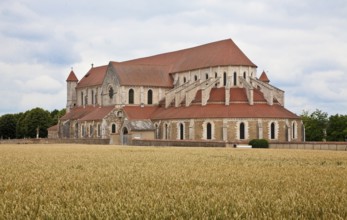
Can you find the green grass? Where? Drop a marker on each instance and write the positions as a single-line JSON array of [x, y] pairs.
[[100, 182]]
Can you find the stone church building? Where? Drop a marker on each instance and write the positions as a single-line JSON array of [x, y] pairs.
[[208, 92]]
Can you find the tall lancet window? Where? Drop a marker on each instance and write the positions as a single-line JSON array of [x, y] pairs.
[[150, 97], [131, 96]]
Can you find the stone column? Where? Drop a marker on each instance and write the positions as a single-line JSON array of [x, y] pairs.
[[191, 129], [260, 129]]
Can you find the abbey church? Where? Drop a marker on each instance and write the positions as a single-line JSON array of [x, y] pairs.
[[208, 92]]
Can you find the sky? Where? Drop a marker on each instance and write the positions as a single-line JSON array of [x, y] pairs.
[[300, 44]]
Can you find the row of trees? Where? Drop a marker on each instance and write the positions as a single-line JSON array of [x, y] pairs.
[[321, 127], [25, 124]]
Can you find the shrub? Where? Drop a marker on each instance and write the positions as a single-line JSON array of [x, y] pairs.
[[259, 143]]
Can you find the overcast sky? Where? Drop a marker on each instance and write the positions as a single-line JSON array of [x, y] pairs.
[[301, 44]]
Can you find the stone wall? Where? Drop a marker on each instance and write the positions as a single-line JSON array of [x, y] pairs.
[[339, 146], [178, 143], [55, 141]]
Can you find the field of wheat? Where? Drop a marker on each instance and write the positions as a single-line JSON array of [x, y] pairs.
[[114, 182]]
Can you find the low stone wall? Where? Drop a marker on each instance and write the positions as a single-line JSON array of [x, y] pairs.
[[339, 146], [178, 143], [55, 141]]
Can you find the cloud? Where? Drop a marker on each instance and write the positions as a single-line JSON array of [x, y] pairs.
[[302, 44]]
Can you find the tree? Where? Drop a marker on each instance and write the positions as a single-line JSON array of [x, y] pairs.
[[56, 114], [8, 124], [315, 125], [32, 120], [337, 128]]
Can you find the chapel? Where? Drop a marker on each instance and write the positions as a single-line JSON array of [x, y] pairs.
[[208, 92]]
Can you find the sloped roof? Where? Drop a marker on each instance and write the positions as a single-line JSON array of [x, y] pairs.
[[53, 128], [140, 125], [263, 77], [138, 112], [94, 77], [155, 70], [236, 95], [98, 113], [219, 53], [87, 113], [142, 75], [72, 77], [239, 110]]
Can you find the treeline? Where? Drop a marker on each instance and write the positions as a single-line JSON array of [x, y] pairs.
[[26, 124], [321, 127]]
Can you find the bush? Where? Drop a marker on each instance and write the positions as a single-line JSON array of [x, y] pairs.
[[259, 143]]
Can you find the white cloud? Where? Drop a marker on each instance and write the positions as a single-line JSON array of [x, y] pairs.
[[302, 44]]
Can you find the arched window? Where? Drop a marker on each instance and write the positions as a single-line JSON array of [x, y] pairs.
[[196, 78], [131, 96], [215, 76], [294, 130], [272, 131], [92, 97], [150, 97], [99, 130], [110, 92], [86, 99], [181, 131], [224, 79], [235, 79], [244, 75], [242, 131], [96, 98], [184, 79], [82, 97], [209, 131], [206, 76], [113, 128]]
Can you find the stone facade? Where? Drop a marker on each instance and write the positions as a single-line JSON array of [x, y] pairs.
[[178, 100]]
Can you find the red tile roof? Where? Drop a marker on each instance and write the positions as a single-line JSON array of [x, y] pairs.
[[155, 70], [88, 113], [263, 77], [239, 110], [98, 113], [94, 77], [72, 77], [53, 128], [236, 95], [138, 112], [142, 75], [220, 53]]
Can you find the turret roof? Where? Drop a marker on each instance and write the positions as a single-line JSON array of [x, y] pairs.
[[72, 77], [264, 78]]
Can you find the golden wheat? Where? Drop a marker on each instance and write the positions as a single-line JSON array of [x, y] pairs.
[[113, 182]]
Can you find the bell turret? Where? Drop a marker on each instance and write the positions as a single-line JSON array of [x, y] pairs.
[[71, 98]]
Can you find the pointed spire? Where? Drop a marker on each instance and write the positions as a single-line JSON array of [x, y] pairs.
[[72, 77], [264, 78]]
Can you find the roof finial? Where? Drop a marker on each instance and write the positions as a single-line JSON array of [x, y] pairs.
[[92, 65], [71, 68]]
